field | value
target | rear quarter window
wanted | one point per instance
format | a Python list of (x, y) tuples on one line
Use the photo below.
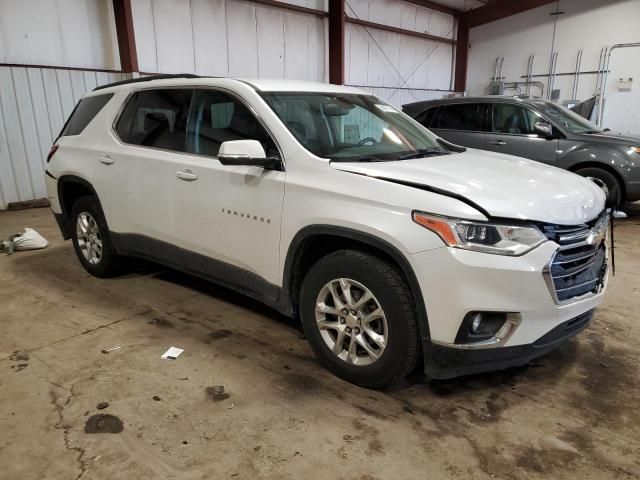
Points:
[(84, 112)]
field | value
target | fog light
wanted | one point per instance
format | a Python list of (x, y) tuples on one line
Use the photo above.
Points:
[(480, 326), (477, 322)]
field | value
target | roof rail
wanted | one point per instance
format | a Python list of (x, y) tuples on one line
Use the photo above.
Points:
[(148, 79)]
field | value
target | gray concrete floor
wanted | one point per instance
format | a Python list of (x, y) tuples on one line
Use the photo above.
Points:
[(572, 414)]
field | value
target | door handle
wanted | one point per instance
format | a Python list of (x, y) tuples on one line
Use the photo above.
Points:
[(186, 175), (105, 159), (497, 142)]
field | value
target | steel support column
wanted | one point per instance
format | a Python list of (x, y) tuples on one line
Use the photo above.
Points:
[(462, 53), (126, 35), (336, 42)]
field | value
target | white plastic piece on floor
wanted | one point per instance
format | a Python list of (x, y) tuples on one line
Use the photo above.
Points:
[(172, 353), (619, 214), (29, 240)]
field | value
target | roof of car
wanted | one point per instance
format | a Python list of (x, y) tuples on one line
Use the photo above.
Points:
[(264, 85), (418, 107)]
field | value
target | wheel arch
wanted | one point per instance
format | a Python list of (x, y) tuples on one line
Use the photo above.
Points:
[(70, 188), (315, 241), (602, 166)]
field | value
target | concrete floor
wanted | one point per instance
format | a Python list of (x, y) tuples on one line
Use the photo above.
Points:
[(572, 414)]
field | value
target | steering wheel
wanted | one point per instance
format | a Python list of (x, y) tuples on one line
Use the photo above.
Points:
[(368, 139)]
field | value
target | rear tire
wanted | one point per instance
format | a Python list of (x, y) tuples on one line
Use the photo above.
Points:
[(614, 189), (92, 240), (368, 336)]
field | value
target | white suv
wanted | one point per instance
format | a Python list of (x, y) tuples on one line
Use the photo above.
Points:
[(395, 248)]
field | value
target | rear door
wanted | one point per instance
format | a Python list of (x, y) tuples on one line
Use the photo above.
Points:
[(512, 132), (152, 131), (460, 123)]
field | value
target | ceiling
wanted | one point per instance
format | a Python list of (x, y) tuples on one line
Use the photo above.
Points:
[(462, 5)]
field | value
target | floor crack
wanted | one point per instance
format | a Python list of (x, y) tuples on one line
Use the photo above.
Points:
[(61, 425)]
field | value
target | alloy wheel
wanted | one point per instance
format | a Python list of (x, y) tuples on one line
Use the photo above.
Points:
[(89, 238), (351, 321)]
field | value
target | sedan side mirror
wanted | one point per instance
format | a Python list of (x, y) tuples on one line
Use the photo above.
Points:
[(246, 152), (543, 129)]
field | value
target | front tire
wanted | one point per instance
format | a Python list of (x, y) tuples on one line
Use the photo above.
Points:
[(91, 238), (357, 313), (613, 188)]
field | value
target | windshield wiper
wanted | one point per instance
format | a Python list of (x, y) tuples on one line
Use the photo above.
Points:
[(422, 152)]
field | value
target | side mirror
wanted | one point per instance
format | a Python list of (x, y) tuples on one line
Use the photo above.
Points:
[(246, 152), (543, 129)]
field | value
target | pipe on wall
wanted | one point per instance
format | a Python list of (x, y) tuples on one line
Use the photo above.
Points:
[(605, 75)]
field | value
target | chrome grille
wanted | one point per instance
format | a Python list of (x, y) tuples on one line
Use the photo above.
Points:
[(580, 263)]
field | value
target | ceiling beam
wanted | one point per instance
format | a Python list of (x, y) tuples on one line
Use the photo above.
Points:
[(435, 6), (499, 9)]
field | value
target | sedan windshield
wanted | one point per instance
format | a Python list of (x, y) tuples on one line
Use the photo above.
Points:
[(349, 127), (567, 119)]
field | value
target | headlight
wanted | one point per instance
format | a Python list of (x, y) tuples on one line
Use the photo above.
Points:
[(482, 237)]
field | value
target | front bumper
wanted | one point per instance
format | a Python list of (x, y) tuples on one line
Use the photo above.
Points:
[(455, 282), (442, 362)]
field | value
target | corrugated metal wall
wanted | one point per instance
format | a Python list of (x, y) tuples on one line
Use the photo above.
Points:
[(34, 104), (235, 38)]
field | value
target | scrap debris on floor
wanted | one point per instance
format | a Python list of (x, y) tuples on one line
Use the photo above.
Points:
[(571, 414)]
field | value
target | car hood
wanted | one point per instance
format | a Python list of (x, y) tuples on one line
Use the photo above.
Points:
[(502, 185)]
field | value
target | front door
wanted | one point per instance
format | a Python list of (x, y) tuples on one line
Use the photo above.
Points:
[(512, 132), (230, 214)]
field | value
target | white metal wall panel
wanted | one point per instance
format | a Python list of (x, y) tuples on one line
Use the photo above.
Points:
[(388, 59), (231, 38), (78, 33), (243, 41), (421, 63), (174, 36), (271, 42), (34, 103), (210, 37)]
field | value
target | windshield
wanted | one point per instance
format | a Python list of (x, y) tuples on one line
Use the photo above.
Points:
[(348, 127), (567, 119)]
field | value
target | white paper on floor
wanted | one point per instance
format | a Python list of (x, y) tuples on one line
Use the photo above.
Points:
[(172, 353)]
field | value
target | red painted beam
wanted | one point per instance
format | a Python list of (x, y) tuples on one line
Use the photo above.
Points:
[(126, 35), (499, 9), (435, 6), (462, 53), (336, 42), (291, 6), (403, 31)]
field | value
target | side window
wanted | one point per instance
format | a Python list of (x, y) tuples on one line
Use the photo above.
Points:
[(513, 119), (217, 117), (156, 118), (426, 117), (84, 112), (462, 116)]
